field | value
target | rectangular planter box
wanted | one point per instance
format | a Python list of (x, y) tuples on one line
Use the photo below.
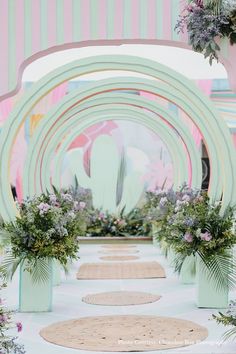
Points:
[(186, 274), (34, 297), (56, 273), (170, 257), (207, 294), (154, 235)]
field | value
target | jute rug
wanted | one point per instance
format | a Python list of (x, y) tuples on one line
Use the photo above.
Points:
[(124, 333), (120, 298), (122, 245), (135, 270), (119, 258), (118, 251)]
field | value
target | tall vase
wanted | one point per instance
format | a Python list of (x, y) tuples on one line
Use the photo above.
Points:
[(187, 273), (170, 257), (208, 296), (34, 296), (56, 273), (154, 235)]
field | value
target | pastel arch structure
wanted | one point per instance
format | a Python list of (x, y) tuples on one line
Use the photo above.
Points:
[(175, 88), (102, 109)]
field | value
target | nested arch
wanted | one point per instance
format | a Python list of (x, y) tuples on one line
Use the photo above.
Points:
[(183, 92), (156, 88), (103, 104), (168, 137)]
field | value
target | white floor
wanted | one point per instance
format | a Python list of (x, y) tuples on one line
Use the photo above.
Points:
[(177, 301)]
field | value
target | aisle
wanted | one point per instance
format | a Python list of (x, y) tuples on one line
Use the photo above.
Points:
[(176, 301)]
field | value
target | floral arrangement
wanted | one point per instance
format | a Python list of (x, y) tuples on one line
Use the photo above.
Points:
[(46, 228), (8, 344), (104, 224), (161, 204), (190, 224), (207, 20), (107, 224), (228, 319), (199, 227)]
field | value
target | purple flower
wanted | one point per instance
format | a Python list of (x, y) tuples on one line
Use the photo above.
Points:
[(101, 216), (188, 237), (52, 198), (189, 221), (19, 326), (206, 236), (43, 207), (3, 318), (186, 198)]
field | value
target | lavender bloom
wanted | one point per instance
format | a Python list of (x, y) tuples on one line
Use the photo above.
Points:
[(3, 318), (186, 198), (43, 208), (52, 198), (188, 237), (189, 221), (206, 236)]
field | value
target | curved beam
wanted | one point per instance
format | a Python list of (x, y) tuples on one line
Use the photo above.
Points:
[(168, 136), (199, 104), (128, 105), (89, 91)]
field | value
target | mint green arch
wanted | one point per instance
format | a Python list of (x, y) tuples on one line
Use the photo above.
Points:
[(134, 84), (220, 146), (96, 115), (195, 158), (175, 148), (99, 110)]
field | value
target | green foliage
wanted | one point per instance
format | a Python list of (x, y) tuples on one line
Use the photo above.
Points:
[(190, 225), (8, 343), (107, 224), (228, 319), (46, 228), (206, 21)]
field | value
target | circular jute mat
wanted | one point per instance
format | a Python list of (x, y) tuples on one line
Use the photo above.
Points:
[(119, 258), (118, 251), (121, 298), (124, 333)]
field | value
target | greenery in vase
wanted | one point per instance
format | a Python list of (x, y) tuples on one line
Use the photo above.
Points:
[(46, 228), (8, 343), (162, 203), (228, 319), (206, 21), (199, 228)]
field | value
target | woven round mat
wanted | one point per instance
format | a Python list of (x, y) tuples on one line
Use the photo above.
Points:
[(122, 245), (121, 270), (124, 333), (118, 251), (120, 298), (119, 258)]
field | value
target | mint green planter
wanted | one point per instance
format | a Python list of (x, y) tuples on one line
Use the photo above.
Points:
[(56, 273), (34, 297), (170, 257), (187, 273), (207, 294), (154, 235)]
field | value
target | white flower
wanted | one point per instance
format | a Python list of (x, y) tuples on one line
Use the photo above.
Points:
[(82, 205)]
